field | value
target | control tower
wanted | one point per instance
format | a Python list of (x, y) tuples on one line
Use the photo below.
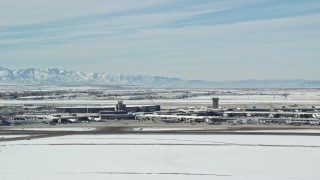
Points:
[(215, 103), (120, 106)]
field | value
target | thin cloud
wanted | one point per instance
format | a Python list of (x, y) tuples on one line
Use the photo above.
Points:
[(152, 34)]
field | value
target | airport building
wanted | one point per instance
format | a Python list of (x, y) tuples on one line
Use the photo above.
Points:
[(215, 103), (118, 107), (83, 109), (107, 115)]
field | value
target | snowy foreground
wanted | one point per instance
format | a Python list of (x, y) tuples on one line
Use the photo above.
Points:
[(82, 157)]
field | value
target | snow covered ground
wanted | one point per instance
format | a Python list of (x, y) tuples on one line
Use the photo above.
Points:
[(237, 97), (161, 157), (55, 129), (2, 136), (287, 131), (166, 129)]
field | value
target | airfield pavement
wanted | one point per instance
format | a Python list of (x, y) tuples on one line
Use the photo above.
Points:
[(28, 132)]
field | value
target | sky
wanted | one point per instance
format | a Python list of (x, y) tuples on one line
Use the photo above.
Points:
[(189, 39)]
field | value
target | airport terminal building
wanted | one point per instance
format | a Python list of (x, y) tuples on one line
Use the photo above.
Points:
[(118, 107)]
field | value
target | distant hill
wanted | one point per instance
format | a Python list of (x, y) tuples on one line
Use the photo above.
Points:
[(58, 76)]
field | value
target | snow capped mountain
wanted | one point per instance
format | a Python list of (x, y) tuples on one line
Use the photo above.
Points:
[(58, 76), (6, 74)]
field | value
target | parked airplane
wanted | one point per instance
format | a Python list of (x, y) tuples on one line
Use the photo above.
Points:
[(4, 122)]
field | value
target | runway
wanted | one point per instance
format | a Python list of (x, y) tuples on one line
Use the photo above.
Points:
[(125, 127)]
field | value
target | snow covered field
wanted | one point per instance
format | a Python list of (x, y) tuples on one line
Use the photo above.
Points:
[(2, 136), (237, 97), (55, 129), (161, 157), (310, 131)]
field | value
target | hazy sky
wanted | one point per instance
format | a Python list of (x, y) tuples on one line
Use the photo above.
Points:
[(190, 39)]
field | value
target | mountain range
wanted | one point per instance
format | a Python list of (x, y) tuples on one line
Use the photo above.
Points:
[(59, 76)]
